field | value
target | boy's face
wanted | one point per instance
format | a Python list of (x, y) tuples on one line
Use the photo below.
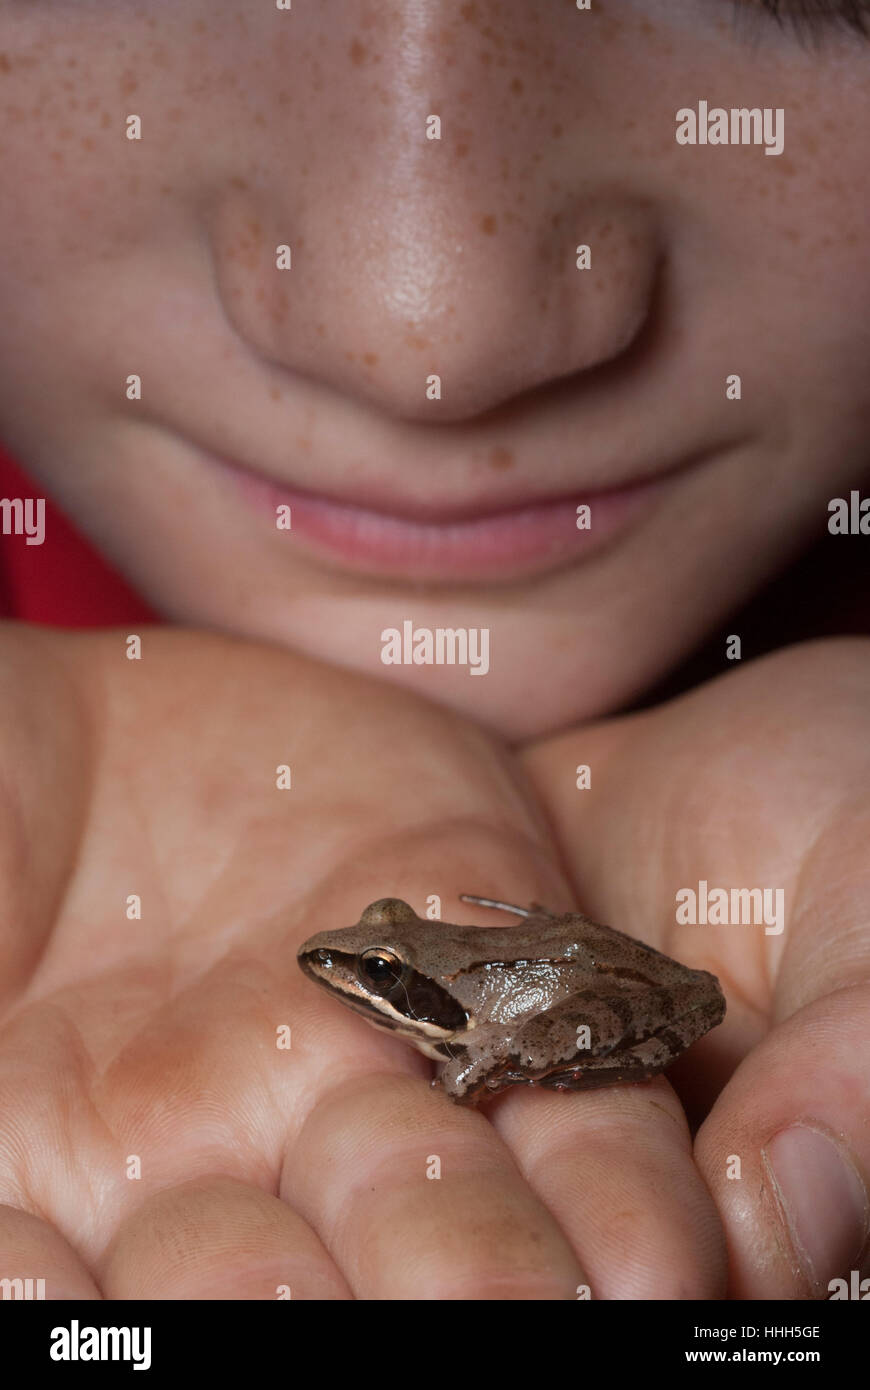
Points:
[(411, 258)]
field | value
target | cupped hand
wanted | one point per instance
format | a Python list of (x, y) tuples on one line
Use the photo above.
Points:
[(759, 780), (182, 1113)]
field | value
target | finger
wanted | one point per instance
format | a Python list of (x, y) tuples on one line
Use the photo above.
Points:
[(37, 1262), (636, 837), (786, 1148), (418, 1198), (217, 1238), (615, 1168), (786, 1153)]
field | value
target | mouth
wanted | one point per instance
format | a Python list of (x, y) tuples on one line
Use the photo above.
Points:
[(438, 543)]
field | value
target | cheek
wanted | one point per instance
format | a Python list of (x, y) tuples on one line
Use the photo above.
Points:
[(813, 277), (770, 252)]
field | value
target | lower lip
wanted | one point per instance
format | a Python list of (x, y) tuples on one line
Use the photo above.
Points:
[(499, 546)]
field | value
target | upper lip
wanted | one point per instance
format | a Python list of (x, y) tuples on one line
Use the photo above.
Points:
[(373, 495)]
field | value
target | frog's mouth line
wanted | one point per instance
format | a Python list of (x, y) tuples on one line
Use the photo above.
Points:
[(421, 1030), (413, 1003)]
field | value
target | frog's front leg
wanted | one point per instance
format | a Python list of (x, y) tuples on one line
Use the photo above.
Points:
[(473, 1062)]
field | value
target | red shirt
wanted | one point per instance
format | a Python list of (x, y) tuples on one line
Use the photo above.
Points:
[(63, 582)]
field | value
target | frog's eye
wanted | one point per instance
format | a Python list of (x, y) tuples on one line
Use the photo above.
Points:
[(380, 968)]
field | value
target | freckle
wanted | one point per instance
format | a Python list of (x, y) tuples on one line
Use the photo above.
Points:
[(785, 166), (303, 442), (128, 84), (238, 182), (358, 53), (485, 57), (412, 341), (500, 459), (488, 225), (517, 86), (321, 328), (461, 150), (87, 143), (351, 356), (557, 131), (274, 393), (5, 65), (259, 119), (371, 359), (469, 12), (175, 113)]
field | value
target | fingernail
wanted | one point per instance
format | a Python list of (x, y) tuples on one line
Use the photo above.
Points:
[(823, 1200)]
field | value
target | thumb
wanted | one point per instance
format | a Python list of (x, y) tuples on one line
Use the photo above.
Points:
[(786, 1154)]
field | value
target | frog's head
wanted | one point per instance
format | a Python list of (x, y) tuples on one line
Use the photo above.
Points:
[(378, 968)]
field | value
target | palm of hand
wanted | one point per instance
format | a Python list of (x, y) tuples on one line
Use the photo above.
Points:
[(158, 1140)]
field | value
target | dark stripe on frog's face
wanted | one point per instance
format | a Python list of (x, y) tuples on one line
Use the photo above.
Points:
[(408, 1001)]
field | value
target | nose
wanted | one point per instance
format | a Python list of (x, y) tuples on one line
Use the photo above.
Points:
[(437, 238)]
